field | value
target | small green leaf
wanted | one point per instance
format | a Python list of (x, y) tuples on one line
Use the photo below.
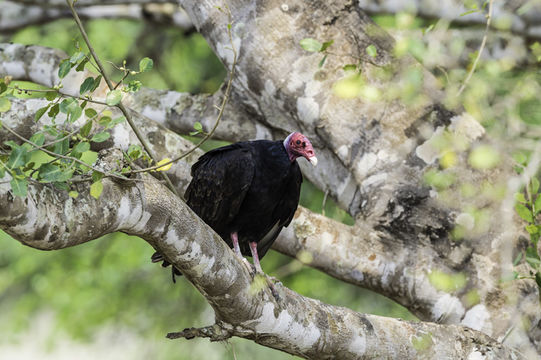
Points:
[(100, 137), (85, 130), (78, 56), (19, 187), (311, 45), (116, 121), (64, 68), (51, 95), (523, 212), (87, 85), (18, 157), (40, 112), (54, 110), (517, 259), (49, 172), (73, 194), (75, 113), (520, 197), (96, 176), (534, 186), (197, 126), (537, 204), (90, 113), (61, 147), (2, 172), (104, 121), (81, 65), (97, 81), (134, 85), (38, 139), (372, 51), (350, 67), (484, 157), (65, 105), (325, 45), (322, 62), (96, 189), (5, 104), (113, 97), (145, 64), (532, 229), (3, 87), (82, 147)]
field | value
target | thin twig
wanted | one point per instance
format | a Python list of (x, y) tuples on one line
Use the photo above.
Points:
[(29, 91), (221, 108), (119, 105), (481, 48)]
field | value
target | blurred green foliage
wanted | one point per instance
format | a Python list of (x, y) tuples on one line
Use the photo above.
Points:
[(110, 283)]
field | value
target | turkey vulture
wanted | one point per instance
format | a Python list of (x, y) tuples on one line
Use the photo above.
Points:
[(248, 191)]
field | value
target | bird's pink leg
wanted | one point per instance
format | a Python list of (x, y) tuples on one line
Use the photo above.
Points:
[(235, 240), (253, 248), (236, 248)]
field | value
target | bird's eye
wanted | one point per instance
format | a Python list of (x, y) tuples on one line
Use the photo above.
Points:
[(298, 142)]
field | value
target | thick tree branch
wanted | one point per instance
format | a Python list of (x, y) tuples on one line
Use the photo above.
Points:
[(15, 15), (47, 219)]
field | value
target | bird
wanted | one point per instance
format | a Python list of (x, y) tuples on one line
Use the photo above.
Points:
[(247, 192)]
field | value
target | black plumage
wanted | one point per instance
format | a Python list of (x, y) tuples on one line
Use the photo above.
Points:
[(248, 191), (251, 188)]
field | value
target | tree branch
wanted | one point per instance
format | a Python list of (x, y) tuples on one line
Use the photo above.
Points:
[(297, 325)]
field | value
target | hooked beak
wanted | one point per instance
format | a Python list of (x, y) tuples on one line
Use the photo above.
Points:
[(313, 160)]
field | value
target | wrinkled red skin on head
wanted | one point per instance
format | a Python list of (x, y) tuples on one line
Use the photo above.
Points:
[(299, 145)]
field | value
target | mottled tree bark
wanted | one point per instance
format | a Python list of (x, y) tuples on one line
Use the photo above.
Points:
[(373, 155)]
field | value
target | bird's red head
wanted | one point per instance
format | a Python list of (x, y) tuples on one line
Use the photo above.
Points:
[(297, 145)]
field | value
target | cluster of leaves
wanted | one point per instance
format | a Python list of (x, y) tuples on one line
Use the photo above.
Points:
[(528, 207), (57, 155)]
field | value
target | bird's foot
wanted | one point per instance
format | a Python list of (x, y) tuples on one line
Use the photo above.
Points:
[(260, 281), (250, 267)]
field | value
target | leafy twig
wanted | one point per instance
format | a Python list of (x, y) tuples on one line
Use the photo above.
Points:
[(220, 108), (111, 87)]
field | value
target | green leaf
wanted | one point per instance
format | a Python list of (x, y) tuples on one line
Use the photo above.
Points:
[(534, 186), (97, 81), (311, 45), (523, 212), (484, 157), (116, 121), (18, 157), (81, 147), (100, 137), (3, 87), (532, 229), (54, 110), (85, 130), (134, 85), (96, 176), (61, 147), (113, 97), (520, 197), (145, 64), (5, 104), (134, 152), (65, 105), (2, 172), (87, 85), (372, 51), (104, 121), (75, 113), (40, 112), (38, 139), (322, 62), (64, 68), (197, 126), (51, 95), (78, 56), (96, 189), (325, 45), (350, 67), (90, 113), (19, 187), (537, 204), (49, 172), (81, 65), (74, 194), (517, 259)]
